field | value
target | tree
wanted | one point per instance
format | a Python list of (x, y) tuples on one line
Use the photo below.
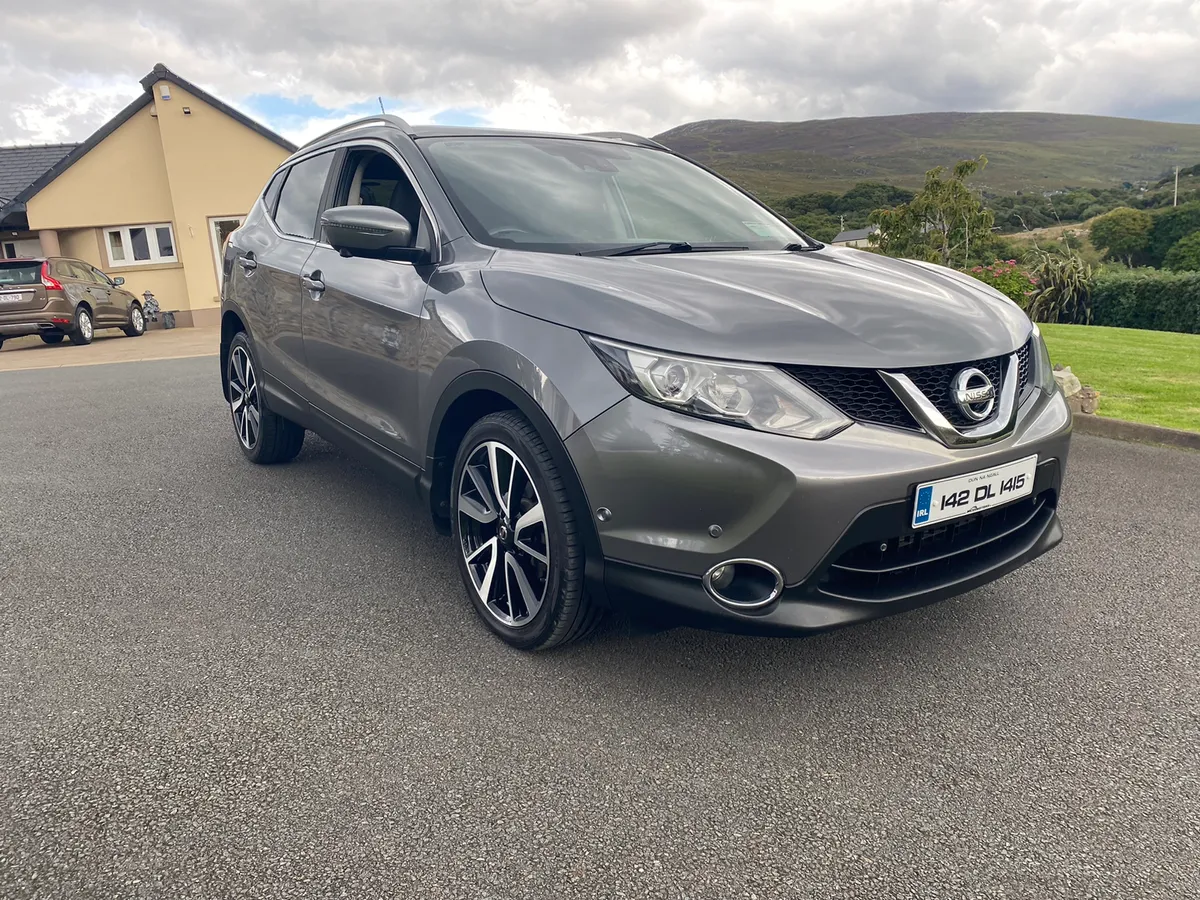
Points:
[(1171, 226), (1123, 233), (940, 222), (1184, 256)]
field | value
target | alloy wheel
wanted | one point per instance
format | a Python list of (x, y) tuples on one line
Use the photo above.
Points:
[(85, 325), (244, 398), (502, 526), (138, 320)]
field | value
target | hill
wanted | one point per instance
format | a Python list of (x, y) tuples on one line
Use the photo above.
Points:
[(1025, 151)]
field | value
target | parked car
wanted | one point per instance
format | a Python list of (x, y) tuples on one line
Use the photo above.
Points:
[(617, 379), (59, 297)]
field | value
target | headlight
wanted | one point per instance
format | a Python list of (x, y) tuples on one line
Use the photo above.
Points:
[(759, 397), (1043, 370)]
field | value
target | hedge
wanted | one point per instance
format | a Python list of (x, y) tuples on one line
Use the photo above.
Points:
[(1147, 298)]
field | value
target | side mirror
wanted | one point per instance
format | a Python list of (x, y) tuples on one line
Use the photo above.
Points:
[(374, 231), (118, 281)]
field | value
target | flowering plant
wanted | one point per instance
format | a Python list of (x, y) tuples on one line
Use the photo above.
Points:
[(1007, 276)]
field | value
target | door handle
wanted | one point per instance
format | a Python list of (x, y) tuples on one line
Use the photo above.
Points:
[(314, 283), (248, 262)]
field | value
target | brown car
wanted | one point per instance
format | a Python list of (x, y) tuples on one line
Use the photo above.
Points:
[(58, 297)]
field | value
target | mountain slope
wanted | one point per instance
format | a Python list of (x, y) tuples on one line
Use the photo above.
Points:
[(1025, 151)]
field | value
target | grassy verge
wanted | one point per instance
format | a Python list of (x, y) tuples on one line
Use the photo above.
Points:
[(1142, 376)]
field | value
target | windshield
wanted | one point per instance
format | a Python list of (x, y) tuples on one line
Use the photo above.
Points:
[(20, 272), (572, 196)]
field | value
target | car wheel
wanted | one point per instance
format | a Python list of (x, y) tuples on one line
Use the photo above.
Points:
[(84, 330), (137, 322), (519, 549), (53, 338), (264, 437)]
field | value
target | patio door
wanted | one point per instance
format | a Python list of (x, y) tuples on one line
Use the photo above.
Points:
[(219, 229)]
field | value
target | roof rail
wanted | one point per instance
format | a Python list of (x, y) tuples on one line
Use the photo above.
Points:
[(377, 119), (628, 137)]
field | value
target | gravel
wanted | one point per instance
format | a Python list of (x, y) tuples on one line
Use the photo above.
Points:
[(224, 680)]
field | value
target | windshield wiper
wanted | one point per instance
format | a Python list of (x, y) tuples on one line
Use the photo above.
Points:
[(660, 247), (802, 248)]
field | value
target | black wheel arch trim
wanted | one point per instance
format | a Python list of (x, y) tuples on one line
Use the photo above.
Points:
[(434, 480)]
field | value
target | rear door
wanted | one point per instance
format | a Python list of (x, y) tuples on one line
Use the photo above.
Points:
[(81, 287), (21, 287), (269, 253)]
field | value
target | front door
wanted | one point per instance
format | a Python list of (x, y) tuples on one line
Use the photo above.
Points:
[(362, 316)]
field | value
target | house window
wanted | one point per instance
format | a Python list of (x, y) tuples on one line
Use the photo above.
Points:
[(140, 245)]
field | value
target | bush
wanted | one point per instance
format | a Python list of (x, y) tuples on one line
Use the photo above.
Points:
[(1185, 255), (1170, 226), (1144, 298), (1008, 278), (1062, 287)]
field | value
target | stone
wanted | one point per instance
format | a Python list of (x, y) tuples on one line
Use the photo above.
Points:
[(1089, 400), (1068, 381)]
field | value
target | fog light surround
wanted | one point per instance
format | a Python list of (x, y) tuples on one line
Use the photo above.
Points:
[(744, 584)]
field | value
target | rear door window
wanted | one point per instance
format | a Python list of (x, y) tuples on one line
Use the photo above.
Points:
[(301, 196), (20, 273)]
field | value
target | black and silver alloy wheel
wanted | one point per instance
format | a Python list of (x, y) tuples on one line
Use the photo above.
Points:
[(244, 399), (502, 531)]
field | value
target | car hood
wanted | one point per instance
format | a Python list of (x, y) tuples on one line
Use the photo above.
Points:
[(836, 306)]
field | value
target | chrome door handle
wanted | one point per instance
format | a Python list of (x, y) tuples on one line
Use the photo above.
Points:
[(314, 283), (248, 263)]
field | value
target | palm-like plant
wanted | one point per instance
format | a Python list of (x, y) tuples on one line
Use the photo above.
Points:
[(1063, 287)]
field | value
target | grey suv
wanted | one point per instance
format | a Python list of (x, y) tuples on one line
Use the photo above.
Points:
[(616, 379)]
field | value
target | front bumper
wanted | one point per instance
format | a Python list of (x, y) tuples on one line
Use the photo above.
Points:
[(812, 509)]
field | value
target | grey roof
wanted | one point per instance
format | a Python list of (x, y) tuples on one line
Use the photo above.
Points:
[(21, 166), (857, 234)]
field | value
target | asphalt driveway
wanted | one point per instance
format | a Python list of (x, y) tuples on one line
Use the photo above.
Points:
[(225, 681)]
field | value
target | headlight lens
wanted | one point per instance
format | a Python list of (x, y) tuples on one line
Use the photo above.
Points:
[(1043, 370), (759, 397)]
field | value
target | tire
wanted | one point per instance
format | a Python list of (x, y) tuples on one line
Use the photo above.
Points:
[(521, 559), (84, 328), (137, 321), (53, 338), (273, 439)]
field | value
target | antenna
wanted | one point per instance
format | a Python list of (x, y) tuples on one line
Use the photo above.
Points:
[(381, 109)]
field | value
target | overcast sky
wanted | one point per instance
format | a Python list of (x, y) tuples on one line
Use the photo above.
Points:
[(639, 65)]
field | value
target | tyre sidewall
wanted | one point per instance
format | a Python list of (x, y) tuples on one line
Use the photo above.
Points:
[(534, 633), (78, 337), (241, 340)]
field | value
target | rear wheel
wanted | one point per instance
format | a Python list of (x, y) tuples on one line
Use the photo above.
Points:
[(519, 549), (264, 437), (137, 322), (84, 330), (53, 338)]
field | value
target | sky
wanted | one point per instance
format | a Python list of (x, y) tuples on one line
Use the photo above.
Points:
[(303, 66)]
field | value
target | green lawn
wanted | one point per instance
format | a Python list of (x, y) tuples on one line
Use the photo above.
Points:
[(1142, 376)]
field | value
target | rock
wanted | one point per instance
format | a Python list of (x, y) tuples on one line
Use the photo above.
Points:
[(1089, 400), (1068, 381)]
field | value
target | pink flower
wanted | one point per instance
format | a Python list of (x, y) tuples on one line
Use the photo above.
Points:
[(1012, 262)]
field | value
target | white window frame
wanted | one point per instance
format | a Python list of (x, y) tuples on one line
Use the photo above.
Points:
[(127, 242), (217, 248)]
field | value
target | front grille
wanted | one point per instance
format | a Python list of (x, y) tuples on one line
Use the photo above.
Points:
[(863, 396), (924, 560)]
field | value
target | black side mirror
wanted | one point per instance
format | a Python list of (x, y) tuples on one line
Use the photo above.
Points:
[(374, 231), (118, 281)]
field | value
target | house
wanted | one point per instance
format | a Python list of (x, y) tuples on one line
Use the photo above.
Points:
[(151, 196), (858, 237)]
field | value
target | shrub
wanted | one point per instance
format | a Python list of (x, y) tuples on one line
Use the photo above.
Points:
[(1008, 278), (1144, 298), (1123, 234), (1062, 288), (1170, 226), (1185, 255)]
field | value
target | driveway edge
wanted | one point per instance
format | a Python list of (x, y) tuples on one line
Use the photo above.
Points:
[(1136, 431)]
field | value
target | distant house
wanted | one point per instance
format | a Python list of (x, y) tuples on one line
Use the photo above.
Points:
[(856, 238), (151, 196)]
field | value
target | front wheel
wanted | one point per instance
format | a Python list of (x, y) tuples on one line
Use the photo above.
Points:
[(83, 330), (264, 437), (137, 322), (519, 550)]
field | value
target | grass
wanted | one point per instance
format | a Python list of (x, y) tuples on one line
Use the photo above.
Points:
[(1142, 376)]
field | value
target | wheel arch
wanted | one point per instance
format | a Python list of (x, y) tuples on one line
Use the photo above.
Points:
[(466, 400), (231, 325)]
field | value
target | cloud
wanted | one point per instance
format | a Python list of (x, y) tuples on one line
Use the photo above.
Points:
[(639, 65)]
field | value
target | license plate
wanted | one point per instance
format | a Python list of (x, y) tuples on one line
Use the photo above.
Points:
[(962, 495), (13, 296)]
